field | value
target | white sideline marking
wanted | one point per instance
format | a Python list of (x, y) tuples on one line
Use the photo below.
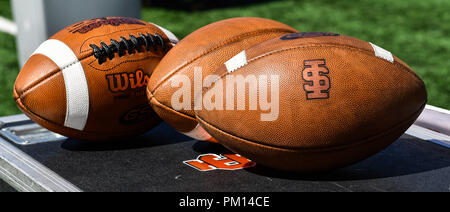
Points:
[(8, 26)]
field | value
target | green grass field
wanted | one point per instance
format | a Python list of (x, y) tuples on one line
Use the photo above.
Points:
[(416, 31), (8, 66)]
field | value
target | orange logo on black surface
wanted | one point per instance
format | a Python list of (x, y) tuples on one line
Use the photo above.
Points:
[(121, 82), (315, 74), (208, 162)]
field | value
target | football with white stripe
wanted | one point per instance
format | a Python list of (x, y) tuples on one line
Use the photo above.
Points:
[(204, 50), (88, 80), (328, 101)]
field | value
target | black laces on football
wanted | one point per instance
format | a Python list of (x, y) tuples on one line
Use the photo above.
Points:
[(131, 45)]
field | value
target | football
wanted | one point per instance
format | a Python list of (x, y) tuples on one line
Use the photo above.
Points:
[(311, 101), (198, 55), (88, 80)]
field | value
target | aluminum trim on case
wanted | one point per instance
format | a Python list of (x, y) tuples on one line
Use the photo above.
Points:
[(26, 174), (23, 172)]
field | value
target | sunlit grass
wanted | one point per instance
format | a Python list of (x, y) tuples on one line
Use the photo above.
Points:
[(416, 31)]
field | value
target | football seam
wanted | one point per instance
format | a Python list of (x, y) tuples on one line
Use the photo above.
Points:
[(332, 148), (85, 133), (86, 40), (161, 105), (220, 45), (51, 74), (328, 45)]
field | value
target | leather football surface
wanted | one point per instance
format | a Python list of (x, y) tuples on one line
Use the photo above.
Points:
[(205, 50), (340, 100), (88, 80)]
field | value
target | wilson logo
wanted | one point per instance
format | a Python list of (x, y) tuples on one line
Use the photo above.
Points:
[(208, 162), (317, 82), (121, 82)]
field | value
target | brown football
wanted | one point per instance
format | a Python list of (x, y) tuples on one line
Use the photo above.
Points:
[(206, 49), (334, 100), (88, 80)]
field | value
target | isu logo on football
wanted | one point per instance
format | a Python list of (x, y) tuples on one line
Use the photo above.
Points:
[(317, 82), (208, 162), (121, 82)]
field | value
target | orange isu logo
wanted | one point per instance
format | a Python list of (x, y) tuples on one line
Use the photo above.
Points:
[(208, 162), (121, 82), (317, 84)]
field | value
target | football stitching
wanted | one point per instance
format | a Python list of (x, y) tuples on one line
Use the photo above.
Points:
[(171, 109), (328, 45), (118, 31), (161, 105), (333, 148), (82, 51), (51, 74), (127, 61), (220, 45)]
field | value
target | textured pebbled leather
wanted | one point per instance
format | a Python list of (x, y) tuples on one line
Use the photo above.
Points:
[(41, 94), (208, 47), (371, 103)]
